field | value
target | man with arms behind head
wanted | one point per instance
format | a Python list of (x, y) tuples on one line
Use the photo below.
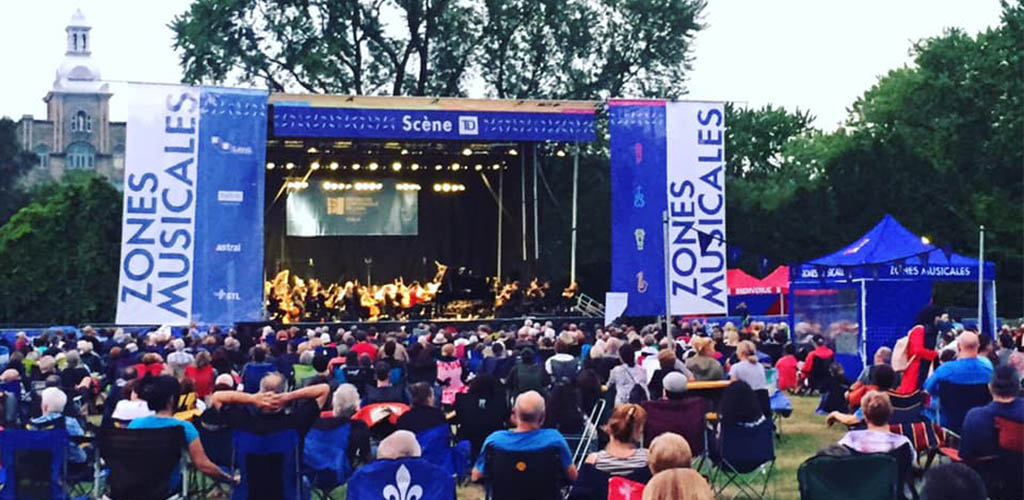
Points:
[(527, 436), (272, 409)]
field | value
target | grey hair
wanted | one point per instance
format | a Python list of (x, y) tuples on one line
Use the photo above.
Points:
[(72, 358), (400, 444), (345, 401), (306, 358), (53, 400), (885, 353), (273, 382)]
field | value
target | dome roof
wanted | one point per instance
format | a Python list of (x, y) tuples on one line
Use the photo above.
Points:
[(78, 68)]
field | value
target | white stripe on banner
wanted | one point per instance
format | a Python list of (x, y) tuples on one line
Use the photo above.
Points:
[(696, 204), (158, 223)]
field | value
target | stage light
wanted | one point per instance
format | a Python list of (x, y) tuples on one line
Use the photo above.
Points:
[(315, 165), (334, 165), (355, 166), (407, 186), (495, 167), (926, 240), (446, 187), (414, 167), (560, 153), (396, 166), (296, 185), (438, 167), (478, 167), (455, 166), (513, 152), (467, 152), (312, 150), (289, 166), (327, 186), (405, 151), (372, 166), (437, 187), (270, 165)]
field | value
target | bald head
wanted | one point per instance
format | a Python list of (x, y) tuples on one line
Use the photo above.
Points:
[(530, 409), (969, 344)]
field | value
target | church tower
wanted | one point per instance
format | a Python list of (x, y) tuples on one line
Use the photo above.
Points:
[(77, 133)]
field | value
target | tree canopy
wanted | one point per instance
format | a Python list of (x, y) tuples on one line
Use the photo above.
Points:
[(14, 164)]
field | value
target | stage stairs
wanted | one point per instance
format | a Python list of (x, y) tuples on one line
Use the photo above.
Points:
[(588, 306)]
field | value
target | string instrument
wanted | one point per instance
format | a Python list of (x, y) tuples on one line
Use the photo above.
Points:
[(366, 300), (505, 295)]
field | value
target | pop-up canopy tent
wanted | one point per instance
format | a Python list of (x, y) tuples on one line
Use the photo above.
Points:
[(866, 295), (761, 296)]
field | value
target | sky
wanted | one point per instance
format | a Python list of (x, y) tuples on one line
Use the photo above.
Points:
[(816, 55)]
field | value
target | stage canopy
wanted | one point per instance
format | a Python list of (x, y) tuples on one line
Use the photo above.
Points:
[(866, 295), (760, 296)]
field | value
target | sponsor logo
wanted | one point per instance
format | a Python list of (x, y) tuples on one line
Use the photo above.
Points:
[(639, 236), (641, 283), (230, 296), (230, 196), (468, 125), (227, 147), (229, 247)]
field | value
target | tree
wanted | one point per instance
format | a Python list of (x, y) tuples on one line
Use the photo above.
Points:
[(59, 255), (14, 164)]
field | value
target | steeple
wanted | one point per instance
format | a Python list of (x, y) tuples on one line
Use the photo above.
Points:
[(78, 72), (78, 35)]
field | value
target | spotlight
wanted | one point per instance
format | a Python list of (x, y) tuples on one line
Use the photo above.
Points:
[(438, 167), (355, 166), (513, 152), (315, 165), (437, 188), (405, 151), (289, 166), (455, 166), (414, 167), (396, 166), (312, 150), (478, 167), (446, 187), (560, 153), (372, 166), (270, 165), (328, 186), (467, 152), (926, 240), (334, 165), (495, 167)]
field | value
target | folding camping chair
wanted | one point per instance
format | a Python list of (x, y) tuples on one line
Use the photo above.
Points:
[(402, 478), (955, 400), (686, 417), (216, 443), (269, 465), (584, 443), (35, 464), (141, 461), (438, 449), (742, 450), (325, 461), (828, 477), (253, 373), (515, 475)]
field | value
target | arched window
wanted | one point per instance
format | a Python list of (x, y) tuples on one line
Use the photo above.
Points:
[(81, 155), (81, 122), (42, 152)]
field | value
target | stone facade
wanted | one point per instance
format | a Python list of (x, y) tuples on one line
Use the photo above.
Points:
[(77, 133)]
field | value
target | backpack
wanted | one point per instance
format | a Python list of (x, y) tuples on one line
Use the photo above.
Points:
[(638, 394), (900, 361)]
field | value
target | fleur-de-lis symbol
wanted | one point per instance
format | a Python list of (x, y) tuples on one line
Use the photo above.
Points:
[(401, 489)]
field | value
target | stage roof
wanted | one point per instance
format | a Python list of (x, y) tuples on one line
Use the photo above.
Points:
[(431, 118)]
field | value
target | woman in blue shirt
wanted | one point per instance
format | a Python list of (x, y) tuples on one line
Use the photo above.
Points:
[(161, 394)]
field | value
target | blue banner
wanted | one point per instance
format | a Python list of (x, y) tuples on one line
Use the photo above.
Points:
[(367, 123), (228, 274), (638, 163)]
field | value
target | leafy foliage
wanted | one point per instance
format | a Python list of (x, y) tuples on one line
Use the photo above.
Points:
[(59, 254), (14, 164)]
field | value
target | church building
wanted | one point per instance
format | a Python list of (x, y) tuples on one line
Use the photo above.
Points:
[(77, 133)]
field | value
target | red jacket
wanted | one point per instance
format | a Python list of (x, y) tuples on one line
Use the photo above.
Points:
[(367, 349), (820, 352), (202, 378), (786, 367)]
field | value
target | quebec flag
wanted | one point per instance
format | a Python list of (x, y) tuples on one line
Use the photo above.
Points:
[(192, 223)]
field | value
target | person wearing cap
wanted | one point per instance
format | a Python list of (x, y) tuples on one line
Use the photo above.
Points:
[(821, 351), (979, 437)]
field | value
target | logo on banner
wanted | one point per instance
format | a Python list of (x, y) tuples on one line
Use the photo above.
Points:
[(222, 295), (639, 236), (468, 125), (641, 283), (638, 197), (230, 196), (230, 148), (229, 247)]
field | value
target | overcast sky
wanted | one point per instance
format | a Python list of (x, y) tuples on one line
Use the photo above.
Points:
[(812, 54)]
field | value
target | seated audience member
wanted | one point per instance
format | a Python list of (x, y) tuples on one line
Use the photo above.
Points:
[(90, 360), (400, 444), (876, 438), (666, 365), (481, 411), (704, 365), (821, 351), (383, 391), (151, 364), (954, 481), (668, 451), (834, 389), (740, 405), (883, 357), (967, 369), (201, 374), (74, 377), (451, 374), (161, 394), (786, 367), (882, 379), (53, 402), (627, 375), (422, 414), (131, 406), (271, 409), (747, 368), (678, 484), (623, 454), (528, 375), (323, 375), (563, 367), (979, 437), (344, 404), (563, 410), (527, 436)]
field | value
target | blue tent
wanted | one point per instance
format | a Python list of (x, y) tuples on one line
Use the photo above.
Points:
[(866, 295)]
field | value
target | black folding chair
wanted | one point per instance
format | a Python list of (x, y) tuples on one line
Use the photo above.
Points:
[(515, 475), (741, 450), (141, 462)]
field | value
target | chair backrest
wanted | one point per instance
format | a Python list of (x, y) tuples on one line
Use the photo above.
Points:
[(302, 372), (906, 408), (325, 458), (403, 478), (141, 461), (438, 450), (1010, 434), (269, 465), (35, 464), (747, 447), (684, 417), (820, 371), (536, 475), (216, 443), (252, 375), (826, 477), (955, 400)]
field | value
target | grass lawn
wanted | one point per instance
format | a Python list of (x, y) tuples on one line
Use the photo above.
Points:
[(803, 434)]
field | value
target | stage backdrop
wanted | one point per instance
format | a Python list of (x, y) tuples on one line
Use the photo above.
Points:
[(192, 229), (319, 211), (668, 156)]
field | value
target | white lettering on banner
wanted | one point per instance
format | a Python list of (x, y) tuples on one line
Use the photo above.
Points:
[(695, 136), (230, 196), (222, 295), (158, 226), (468, 125), (229, 247), (425, 124)]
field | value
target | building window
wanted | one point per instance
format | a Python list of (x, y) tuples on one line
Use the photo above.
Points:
[(42, 152), (81, 122), (81, 155), (118, 159)]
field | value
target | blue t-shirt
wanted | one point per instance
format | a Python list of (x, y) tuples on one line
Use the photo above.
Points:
[(158, 422), (979, 437), (969, 371), (525, 441)]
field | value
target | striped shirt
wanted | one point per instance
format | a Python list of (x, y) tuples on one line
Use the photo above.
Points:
[(615, 466)]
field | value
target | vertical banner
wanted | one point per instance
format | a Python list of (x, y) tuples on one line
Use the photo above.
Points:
[(668, 156), (192, 225), (638, 200), (696, 207)]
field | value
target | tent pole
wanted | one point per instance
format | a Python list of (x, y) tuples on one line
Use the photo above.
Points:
[(522, 197), (575, 189), (864, 321), (668, 277), (536, 226), (981, 276), (501, 207)]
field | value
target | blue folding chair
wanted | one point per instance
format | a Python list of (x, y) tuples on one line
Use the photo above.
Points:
[(253, 373), (438, 450), (955, 400), (742, 450), (399, 479), (35, 464), (325, 461), (269, 465)]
